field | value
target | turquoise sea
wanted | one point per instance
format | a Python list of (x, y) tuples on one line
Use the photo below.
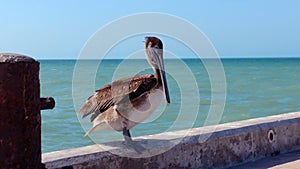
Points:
[(254, 88)]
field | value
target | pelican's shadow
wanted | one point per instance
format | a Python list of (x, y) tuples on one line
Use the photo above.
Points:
[(152, 147)]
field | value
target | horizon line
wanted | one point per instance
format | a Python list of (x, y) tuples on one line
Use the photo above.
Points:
[(184, 58)]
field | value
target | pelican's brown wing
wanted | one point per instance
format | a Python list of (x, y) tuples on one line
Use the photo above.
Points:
[(118, 91)]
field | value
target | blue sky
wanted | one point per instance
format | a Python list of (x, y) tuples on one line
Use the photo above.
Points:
[(59, 29)]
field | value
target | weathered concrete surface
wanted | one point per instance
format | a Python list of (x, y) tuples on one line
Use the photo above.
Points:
[(20, 121), (283, 161), (219, 146)]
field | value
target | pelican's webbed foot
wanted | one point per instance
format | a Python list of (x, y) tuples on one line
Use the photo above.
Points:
[(132, 144)]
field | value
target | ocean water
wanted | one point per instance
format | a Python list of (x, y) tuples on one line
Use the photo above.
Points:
[(254, 88)]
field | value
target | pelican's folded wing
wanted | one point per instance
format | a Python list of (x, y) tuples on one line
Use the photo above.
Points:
[(117, 91)]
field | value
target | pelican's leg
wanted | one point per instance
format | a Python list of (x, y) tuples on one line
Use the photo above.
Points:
[(127, 135), (130, 143)]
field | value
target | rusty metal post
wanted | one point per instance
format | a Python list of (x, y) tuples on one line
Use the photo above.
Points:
[(20, 118)]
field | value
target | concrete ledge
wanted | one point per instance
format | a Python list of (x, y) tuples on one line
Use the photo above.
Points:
[(218, 146)]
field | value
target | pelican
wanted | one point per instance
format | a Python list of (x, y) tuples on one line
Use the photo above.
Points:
[(127, 102)]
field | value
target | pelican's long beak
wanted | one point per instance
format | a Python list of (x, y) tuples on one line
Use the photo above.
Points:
[(164, 83), (155, 58)]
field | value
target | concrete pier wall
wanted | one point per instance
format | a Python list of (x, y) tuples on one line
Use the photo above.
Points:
[(218, 146)]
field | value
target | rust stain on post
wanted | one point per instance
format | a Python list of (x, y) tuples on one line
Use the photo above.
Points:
[(20, 119)]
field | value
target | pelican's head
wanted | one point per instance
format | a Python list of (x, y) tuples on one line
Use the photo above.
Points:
[(154, 53)]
